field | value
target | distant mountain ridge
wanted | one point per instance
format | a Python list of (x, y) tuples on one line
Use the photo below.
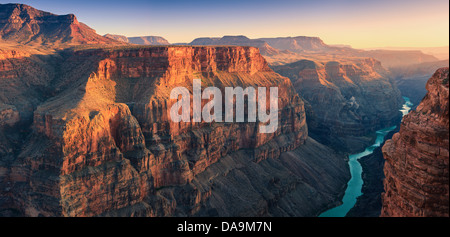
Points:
[(23, 24), (297, 44), (239, 40), (389, 58), (399, 58), (441, 53), (282, 50), (269, 45)]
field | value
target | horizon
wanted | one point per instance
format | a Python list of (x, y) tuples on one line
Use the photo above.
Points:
[(359, 24)]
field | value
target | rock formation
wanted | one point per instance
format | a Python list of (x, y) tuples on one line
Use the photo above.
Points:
[(23, 24), (148, 40), (398, 58), (314, 46), (345, 100), (121, 38), (283, 50), (102, 142), (141, 40), (417, 157), (24, 78), (240, 40)]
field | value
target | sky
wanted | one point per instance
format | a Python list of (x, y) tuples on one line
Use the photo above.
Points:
[(361, 24)]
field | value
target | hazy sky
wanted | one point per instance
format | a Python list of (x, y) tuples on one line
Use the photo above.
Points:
[(362, 24)]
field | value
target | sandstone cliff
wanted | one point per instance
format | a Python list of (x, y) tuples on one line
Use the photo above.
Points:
[(344, 99), (102, 142), (417, 158), (313, 48), (398, 58), (85, 131)]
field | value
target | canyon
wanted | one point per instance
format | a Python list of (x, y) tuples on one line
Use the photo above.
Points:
[(85, 131), (345, 100), (20, 23), (96, 149), (348, 96), (417, 157), (283, 50), (85, 126)]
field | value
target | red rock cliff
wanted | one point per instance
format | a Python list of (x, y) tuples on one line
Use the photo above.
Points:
[(417, 157), (105, 142)]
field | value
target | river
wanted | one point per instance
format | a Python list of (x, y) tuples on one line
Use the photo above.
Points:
[(355, 184)]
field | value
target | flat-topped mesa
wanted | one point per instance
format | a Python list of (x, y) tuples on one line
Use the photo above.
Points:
[(417, 157), (297, 44), (141, 40), (110, 126), (239, 40)]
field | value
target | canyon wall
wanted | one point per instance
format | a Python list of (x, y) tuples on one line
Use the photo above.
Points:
[(417, 157), (102, 142), (23, 78), (411, 80), (141, 40), (345, 100)]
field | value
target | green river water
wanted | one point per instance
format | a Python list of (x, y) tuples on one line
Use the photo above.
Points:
[(355, 184)]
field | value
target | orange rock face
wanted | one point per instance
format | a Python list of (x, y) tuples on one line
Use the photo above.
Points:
[(26, 25), (105, 142), (417, 158)]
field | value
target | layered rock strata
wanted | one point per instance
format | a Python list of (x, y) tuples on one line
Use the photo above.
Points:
[(345, 101), (104, 143), (417, 157)]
